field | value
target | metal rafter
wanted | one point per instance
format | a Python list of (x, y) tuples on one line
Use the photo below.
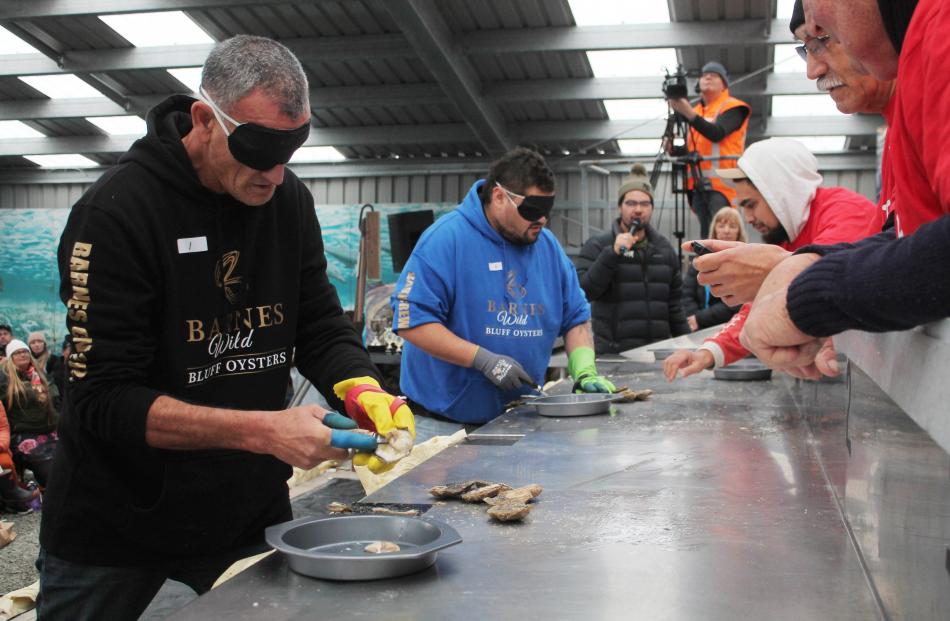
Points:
[(428, 34), (625, 37), (33, 9), (543, 132)]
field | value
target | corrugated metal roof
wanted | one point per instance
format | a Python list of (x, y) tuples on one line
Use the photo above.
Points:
[(360, 43)]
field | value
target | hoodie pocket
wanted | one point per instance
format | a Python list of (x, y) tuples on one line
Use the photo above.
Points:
[(211, 501)]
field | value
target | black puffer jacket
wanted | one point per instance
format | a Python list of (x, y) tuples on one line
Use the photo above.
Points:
[(636, 300), (695, 303)]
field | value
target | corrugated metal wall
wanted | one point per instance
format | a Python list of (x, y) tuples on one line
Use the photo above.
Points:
[(438, 188)]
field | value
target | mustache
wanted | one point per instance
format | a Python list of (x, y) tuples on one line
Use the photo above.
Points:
[(827, 82)]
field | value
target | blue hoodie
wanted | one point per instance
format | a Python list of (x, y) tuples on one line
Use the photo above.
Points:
[(512, 300)]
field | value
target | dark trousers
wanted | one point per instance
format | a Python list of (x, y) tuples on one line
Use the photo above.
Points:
[(705, 204), (79, 592)]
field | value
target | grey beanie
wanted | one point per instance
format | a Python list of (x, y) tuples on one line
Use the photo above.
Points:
[(638, 180), (714, 67)]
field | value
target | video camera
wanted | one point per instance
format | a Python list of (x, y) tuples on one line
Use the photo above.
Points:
[(674, 85)]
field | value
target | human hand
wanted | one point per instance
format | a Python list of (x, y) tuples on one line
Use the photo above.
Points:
[(375, 409), (502, 371), (693, 324), (735, 270), (682, 106), (581, 366), (826, 363), (624, 242), (686, 362), (346, 436), (769, 332), (300, 438)]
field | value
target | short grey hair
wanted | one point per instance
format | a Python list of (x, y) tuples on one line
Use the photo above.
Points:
[(241, 64)]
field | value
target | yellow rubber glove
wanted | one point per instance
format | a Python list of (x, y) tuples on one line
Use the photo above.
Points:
[(375, 409)]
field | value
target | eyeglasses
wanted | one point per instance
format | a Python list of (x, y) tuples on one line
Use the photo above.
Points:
[(533, 207), (643, 204), (815, 45)]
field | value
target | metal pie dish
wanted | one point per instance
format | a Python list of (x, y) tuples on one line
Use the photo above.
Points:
[(582, 404), (662, 354), (332, 548), (744, 370)]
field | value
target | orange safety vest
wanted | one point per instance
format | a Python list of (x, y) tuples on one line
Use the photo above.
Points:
[(732, 144)]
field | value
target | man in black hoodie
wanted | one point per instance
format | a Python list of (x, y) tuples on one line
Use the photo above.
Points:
[(194, 276)]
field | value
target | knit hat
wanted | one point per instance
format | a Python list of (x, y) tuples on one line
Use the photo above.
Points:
[(798, 16), (638, 180), (16, 345), (36, 336), (714, 67)]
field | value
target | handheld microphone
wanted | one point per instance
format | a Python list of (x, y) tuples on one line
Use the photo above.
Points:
[(635, 226)]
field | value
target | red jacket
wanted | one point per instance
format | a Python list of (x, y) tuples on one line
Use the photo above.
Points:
[(919, 134), (835, 215)]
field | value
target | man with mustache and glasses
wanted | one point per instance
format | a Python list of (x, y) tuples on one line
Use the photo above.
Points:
[(852, 91), (882, 283), (194, 277), (631, 274), (482, 298)]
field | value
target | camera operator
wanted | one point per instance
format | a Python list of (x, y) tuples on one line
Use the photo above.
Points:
[(717, 128)]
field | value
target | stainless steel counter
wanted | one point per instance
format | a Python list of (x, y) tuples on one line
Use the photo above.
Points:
[(713, 500)]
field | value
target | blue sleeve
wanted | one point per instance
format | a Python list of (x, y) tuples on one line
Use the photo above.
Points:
[(422, 295), (576, 307)]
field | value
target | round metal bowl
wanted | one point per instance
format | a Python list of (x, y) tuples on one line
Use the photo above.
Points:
[(743, 370), (583, 404), (332, 548)]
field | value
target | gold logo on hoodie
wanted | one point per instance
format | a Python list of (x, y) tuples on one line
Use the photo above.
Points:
[(224, 275)]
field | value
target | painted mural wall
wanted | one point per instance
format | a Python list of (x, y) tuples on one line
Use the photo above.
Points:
[(29, 278)]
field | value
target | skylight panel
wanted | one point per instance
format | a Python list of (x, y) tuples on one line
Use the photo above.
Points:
[(783, 10), (12, 44), (18, 129), (786, 60), (189, 76), (619, 109), (640, 146), (306, 155), (822, 144), (152, 29), (119, 125), (64, 86), (612, 12), (631, 63), (63, 160), (804, 105)]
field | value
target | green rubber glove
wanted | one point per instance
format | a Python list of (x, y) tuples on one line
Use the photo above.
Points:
[(581, 366)]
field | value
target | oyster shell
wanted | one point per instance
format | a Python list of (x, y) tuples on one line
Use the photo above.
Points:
[(381, 547), (509, 511), (454, 490), (480, 493), (519, 494)]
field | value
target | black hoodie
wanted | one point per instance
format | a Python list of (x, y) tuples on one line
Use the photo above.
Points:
[(173, 289)]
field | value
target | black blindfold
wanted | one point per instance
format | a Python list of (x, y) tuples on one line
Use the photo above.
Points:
[(533, 207), (256, 146)]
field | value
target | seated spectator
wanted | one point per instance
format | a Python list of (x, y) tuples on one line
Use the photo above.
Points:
[(13, 498), (6, 335), (45, 359), (28, 399), (703, 309)]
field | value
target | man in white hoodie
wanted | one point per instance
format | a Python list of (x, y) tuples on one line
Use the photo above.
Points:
[(777, 188)]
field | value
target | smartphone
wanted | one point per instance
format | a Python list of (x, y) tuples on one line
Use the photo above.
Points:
[(700, 249)]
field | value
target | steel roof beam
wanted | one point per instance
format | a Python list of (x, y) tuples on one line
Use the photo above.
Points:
[(307, 49), (33, 9), (544, 132), (746, 32), (427, 32)]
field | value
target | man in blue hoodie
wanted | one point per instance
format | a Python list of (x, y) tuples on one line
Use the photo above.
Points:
[(484, 295)]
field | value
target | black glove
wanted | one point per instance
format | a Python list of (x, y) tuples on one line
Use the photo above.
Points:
[(502, 371)]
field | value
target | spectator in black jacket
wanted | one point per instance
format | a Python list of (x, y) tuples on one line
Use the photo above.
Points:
[(631, 275), (702, 308)]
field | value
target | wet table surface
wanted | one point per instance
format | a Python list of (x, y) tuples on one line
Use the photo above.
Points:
[(709, 501)]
